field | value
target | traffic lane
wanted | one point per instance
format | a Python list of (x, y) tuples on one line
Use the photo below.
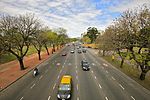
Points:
[(17, 87), (88, 87), (110, 88), (46, 84), (41, 89), (67, 67), (133, 88)]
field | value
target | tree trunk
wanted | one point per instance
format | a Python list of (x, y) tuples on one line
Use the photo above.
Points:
[(142, 76), (122, 61), (20, 59), (53, 48), (103, 52), (47, 50), (145, 69), (39, 54)]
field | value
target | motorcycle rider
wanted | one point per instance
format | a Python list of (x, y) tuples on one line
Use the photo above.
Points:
[(35, 71)]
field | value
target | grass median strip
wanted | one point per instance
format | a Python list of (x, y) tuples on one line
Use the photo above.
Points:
[(134, 73)]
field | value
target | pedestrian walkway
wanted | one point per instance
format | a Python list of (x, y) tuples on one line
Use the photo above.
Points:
[(10, 72)]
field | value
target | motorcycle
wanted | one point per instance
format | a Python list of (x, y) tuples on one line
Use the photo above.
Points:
[(35, 73)]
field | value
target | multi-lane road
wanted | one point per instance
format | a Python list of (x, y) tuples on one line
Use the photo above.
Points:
[(102, 82)]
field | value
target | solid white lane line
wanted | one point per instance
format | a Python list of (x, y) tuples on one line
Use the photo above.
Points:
[(106, 98), (132, 97), (113, 78), (95, 77), (54, 86), (92, 71), (78, 98), (32, 86), (121, 86), (21, 98), (100, 86), (49, 97), (41, 77)]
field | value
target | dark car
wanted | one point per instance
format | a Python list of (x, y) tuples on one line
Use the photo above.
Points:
[(85, 65), (64, 54), (65, 88), (79, 51), (84, 50)]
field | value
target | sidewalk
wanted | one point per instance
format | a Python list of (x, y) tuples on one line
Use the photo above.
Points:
[(10, 72)]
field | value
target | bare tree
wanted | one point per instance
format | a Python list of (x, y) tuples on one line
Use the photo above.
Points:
[(15, 33)]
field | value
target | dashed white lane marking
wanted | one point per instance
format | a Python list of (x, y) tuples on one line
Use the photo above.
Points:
[(121, 86), (106, 71), (76, 72), (58, 77), (113, 78), (46, 71), (54, 86), (32, 86), (77, 87), (58, 64), (41, 77), (60, 71), (132, 97), (92, 71), (77, 77), (100, 86), (93, 64), (21, 98), (78, 98), (49, 97), (95, 77), (105, 64), (106, 98)]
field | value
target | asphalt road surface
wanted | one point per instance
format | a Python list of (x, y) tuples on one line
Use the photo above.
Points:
[(101, 82)]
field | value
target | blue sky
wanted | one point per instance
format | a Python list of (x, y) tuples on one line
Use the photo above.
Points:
[(74, 15)]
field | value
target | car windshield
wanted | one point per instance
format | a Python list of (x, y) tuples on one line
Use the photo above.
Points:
[(85, 62), (63, 87)]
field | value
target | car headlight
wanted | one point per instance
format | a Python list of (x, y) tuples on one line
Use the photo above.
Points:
[(58, 95), (68, 96)]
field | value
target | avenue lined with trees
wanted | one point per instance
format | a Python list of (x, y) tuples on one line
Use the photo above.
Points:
[(19, 33)]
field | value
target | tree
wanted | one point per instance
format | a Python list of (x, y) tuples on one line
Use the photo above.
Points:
[(37, 41), (92, 33), (105, 40), (134, 26), (86, 39), (15, 32)]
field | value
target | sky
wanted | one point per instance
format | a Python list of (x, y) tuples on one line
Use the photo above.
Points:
[(73, 15)]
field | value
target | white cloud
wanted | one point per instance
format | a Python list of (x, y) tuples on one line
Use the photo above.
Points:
[(128, 4), (74, 15)]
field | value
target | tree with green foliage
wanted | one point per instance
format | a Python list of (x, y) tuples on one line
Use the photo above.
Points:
[(92, 33), (15, 32), (86, 39)]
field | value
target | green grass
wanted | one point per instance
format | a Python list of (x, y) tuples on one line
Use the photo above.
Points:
[(10, 57), (6, 58), (134, 73)]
